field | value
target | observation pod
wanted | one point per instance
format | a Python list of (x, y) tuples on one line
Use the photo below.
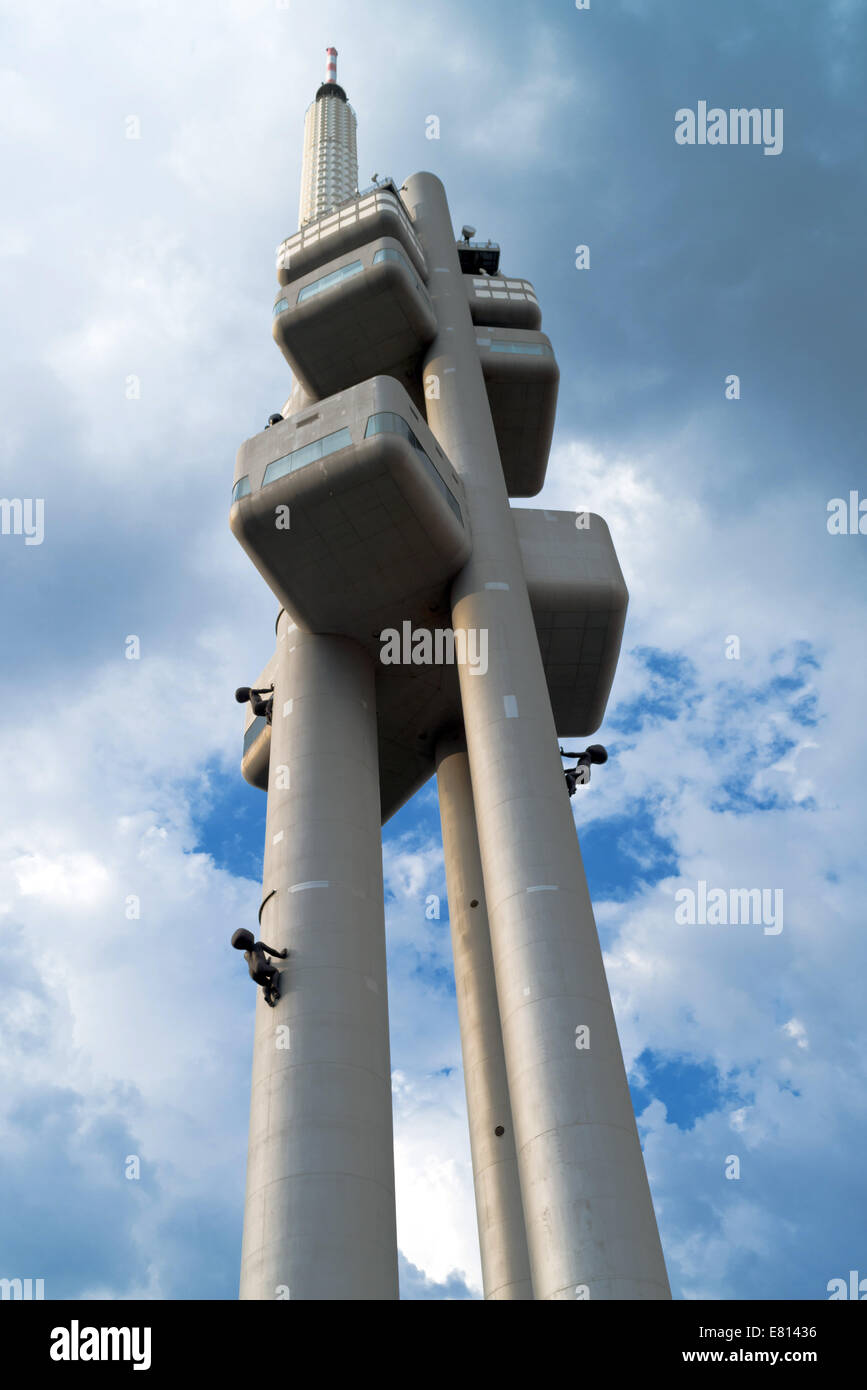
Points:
[(579, 597), (352, 513), (364, 313), (501, 303), (373, 214), (522, 379)]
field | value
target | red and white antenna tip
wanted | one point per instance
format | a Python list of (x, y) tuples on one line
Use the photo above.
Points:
[(331, 66)]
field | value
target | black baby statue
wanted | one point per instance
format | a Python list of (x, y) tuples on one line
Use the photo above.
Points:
[(261, 969), (579, 775)]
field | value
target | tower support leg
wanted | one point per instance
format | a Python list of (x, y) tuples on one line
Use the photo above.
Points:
[(591, 1229), (319, 1220), (502, 1238)]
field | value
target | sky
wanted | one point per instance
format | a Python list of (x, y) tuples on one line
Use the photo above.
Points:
[(150, 157)]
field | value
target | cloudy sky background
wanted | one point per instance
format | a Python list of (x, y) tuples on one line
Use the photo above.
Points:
[(153, 258)]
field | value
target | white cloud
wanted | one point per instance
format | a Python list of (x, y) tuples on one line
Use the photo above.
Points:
[(436, 1208)]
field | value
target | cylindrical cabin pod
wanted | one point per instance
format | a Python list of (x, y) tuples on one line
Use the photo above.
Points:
[(591, 1229), (366, 312), (500, 1215), (579, 600), (522, 379), (500, 303), (351, 512), (319, 1220), (374, 214)]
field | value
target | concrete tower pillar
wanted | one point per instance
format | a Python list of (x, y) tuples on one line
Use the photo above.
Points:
[(502, 1238), (591, 1229), (319, 1220)]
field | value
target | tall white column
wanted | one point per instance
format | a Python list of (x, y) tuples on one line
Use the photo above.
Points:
[(591, 1229), (502, 1238), (319, 1220)]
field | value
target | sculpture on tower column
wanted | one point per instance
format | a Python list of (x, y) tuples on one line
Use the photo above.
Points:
[(580, 773), (258, 705), (261, 969)]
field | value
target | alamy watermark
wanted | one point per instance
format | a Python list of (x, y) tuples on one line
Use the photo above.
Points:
[(23, 516), (847, 518), (22, 1289), (77, 1343), (737, 126), (709, 907), (854, 1288), (441, 646)]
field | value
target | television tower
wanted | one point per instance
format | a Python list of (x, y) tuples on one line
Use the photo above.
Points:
[(376, 506)]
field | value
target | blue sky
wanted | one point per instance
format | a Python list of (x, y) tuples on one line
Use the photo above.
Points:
[(152, 259)]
